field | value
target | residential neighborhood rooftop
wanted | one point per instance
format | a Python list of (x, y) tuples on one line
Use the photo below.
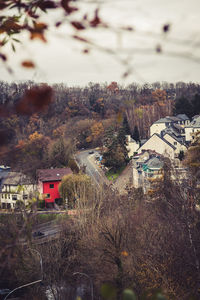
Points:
[(14, 178), (53, 174), (195, 123)]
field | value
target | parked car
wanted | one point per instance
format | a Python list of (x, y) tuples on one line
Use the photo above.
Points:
[(91, 152)]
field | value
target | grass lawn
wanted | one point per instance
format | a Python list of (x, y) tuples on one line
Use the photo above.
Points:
[(112, 175)]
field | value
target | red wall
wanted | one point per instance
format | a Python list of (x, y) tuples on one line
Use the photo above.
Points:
[(53, 192)]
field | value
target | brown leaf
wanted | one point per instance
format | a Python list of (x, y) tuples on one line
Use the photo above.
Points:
[(58, 24), (3, 57), (96, 21), (80, 39), (40, 27), (66, 5), (78, 25), (86, 51), (36, 99), (38, 35), (43, 5), (166, 28), (28, 64)]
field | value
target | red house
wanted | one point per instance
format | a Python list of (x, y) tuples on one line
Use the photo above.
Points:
[(48, 181)]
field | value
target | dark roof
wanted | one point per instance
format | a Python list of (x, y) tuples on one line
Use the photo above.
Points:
[(195, 123), (183, 117), (14, 178), (174, 119), (52, 174), (179, 139), (164, 120), (164, 140), (154, 163)]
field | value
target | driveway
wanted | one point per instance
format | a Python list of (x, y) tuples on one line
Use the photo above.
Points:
[(92, 168)]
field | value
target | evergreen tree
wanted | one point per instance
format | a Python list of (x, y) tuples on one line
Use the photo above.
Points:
[(116, 154), (196, 104), (136, 135), (126, 125), (183, 106)]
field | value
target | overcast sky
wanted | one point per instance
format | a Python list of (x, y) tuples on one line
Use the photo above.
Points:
[(62, 60)]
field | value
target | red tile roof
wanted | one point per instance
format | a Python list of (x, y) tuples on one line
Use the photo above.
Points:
[(52, 174)]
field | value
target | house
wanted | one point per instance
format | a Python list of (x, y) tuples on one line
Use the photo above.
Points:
[(182, 120), (132, 146), (177, 142), (4, 168), (160, 145), (48, 182), (15, 186), (192, 128), (147, 167), (160, 125)]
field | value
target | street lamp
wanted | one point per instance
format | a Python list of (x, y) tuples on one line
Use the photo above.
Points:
[(91, 283), (33, 282)]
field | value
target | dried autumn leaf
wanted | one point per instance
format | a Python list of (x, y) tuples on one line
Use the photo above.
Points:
[(96, 21), (38, 35), (166, 28), (86, 51), (80, 39), (3, 57), (36, 99), (43, 5), (66, 5), (40, 26), (78, 25), (28, 64)]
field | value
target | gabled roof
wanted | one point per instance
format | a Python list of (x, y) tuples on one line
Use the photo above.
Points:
[(163, 139), (174, 119), (154, 163), (52, 174), (14, 178), (163, 120), (195, 123), (176, 138), (183, 117)]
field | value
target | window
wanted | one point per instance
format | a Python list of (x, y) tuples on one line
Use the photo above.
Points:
[(2, 196), (25, 197), (175, 143), (51, 186), (5, 196), (14, 197), (47, 196)]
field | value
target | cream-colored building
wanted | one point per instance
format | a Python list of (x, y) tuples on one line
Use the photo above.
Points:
[(132, 146), (15, 186), (181, 120), (192, 128), (160, 145), (176, 143)]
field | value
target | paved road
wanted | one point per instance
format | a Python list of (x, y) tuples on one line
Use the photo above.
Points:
[(92, 169)]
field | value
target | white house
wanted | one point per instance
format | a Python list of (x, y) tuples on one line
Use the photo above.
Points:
[(192, 128), (14, 186), (160, 145), (147, 167), (161, 124), (132, 146), (183, 120), (176, 142)]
